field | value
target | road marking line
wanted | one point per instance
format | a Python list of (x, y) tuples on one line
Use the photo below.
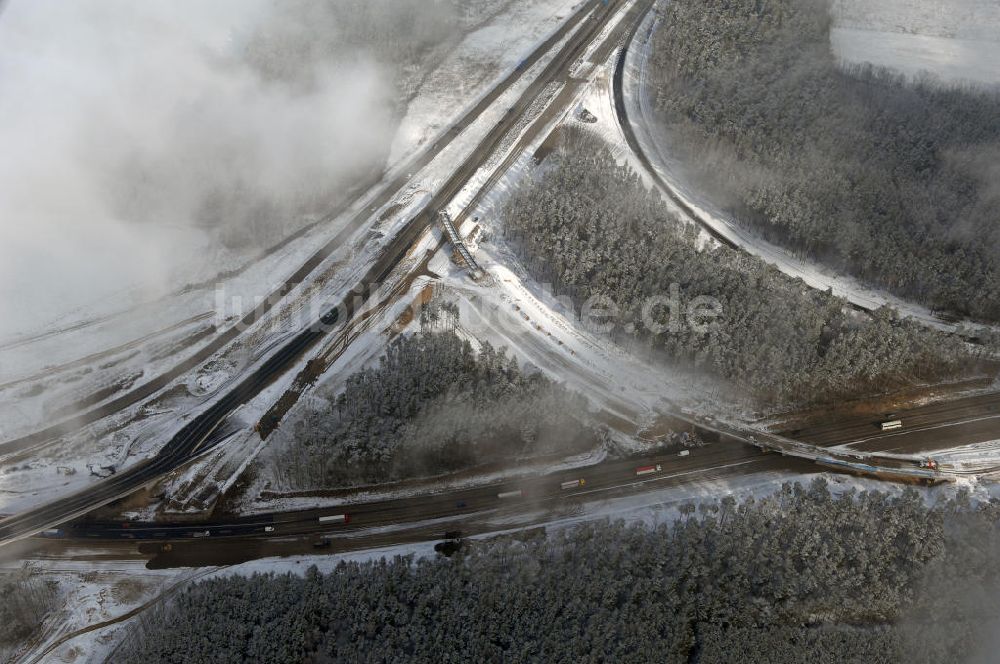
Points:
[(660, 478), (919, 429)]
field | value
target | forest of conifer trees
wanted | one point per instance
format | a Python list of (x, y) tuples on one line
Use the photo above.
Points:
[(799, 576), (590, 228), (891, 180)]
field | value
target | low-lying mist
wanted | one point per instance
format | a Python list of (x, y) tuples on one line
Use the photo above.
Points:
[(144, 140)]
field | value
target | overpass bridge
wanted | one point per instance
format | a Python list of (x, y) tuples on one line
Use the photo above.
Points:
[(463, 250)]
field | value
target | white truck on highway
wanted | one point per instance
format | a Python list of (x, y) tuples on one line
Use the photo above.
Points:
[(336, 518)]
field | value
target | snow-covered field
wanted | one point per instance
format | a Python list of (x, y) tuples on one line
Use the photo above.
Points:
[(482, 57), (963, 19), (956, 41), (947, 59)]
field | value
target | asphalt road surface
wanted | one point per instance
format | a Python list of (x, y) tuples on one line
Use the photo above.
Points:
[(430, 516), (963, 421)]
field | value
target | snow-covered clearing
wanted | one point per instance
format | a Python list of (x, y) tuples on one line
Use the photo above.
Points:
[(956, 41), (97, 594), (951, 60), (964, 19)]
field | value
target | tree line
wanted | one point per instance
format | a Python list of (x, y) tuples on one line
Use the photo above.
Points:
[(588, 226), (432, 405), (892, 181), (800, 575)]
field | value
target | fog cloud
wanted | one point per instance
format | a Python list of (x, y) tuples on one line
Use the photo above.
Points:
[(138, 136)]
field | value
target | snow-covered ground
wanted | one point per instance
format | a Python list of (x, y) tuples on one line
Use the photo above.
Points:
[(541, 329), (139, 431), (956, 41), (129, 333), (948, 59), (975, 458), (97, 594), (482, 57), (369, 341), (965, 19)]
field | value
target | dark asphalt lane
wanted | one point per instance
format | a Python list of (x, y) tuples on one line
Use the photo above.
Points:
[(430, 516), (963, 421)]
